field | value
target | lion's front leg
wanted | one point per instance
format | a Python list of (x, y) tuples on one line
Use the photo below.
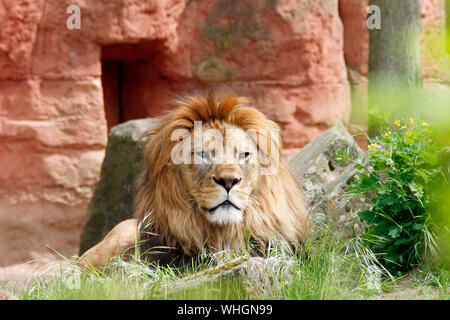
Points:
[(119, 239)]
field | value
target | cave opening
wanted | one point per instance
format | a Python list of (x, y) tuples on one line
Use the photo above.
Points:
[(133, 86), (112, 76)]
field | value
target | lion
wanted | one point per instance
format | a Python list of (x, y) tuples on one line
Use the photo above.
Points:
[(214, 179)]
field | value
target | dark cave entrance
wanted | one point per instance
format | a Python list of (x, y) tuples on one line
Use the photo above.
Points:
[(112, 91), (133, 86)]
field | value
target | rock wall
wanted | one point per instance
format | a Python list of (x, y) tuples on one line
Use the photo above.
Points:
[(52, 129)]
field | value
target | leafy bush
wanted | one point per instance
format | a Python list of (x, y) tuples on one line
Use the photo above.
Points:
[(398, 181)]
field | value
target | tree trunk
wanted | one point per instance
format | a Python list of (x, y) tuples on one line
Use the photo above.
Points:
[(394, 60)]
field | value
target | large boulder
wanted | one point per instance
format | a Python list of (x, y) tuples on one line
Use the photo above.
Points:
[(113, 197), (325, 177)]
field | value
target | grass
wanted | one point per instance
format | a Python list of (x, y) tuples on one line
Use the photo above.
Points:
[(326, 268), (422, 283)]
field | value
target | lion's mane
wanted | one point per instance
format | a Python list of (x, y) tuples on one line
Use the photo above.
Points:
[(162, 206)]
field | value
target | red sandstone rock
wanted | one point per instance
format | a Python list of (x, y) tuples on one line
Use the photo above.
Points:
[(433, 13), (277, 54), (27, 230), (356, 36), (19, 20)]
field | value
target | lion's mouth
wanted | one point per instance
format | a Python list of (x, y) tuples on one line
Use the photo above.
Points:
[(225, 203)]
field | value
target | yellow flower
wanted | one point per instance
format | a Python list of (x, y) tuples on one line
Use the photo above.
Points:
[(404, 127), (397, 122), (373, 145), (411, 120), (425, 124), (408, 133)]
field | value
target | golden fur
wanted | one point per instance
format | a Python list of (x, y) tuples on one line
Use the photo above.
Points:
[(172, 201)]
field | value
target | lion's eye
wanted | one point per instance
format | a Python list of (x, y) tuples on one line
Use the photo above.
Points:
[(244, 156)]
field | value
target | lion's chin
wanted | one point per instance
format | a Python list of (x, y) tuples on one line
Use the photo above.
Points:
[(225, 215)]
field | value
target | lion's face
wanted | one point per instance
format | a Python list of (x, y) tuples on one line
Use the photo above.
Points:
[(222, 174)]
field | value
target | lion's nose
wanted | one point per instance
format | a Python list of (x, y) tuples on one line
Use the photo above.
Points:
[(227, 183)]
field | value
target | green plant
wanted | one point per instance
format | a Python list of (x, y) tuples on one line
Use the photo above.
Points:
[(397, 179)]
